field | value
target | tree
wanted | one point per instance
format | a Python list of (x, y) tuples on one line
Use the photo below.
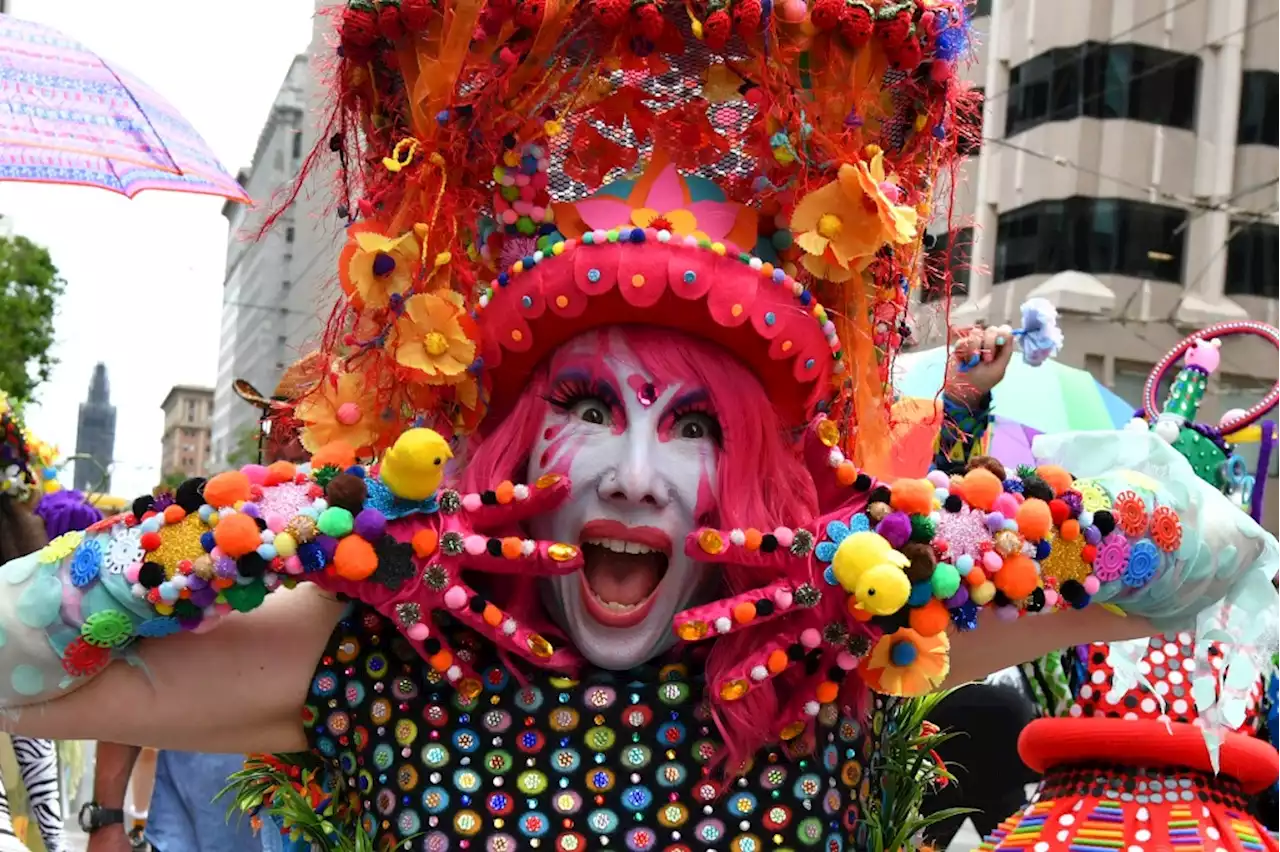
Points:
[(245, 449), (29, 290)]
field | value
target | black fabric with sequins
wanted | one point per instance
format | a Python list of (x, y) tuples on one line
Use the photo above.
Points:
[(611, 761)]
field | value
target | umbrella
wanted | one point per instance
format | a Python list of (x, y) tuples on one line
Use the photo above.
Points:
[(915, 429), (1049, 398), (68, 116)]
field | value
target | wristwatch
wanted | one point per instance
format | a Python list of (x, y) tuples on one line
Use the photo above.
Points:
[(93, 817)]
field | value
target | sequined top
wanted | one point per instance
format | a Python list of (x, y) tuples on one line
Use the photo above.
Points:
[(613, 760)]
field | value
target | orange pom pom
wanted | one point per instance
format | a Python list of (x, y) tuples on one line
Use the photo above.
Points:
[(1034, 519), (512, 547), (846, 473), (424, 543), (754, 539), (227, 489), (505, 493), (1070, 530), (281, 471), (1017, 578), (976, 576), (777, 662), (828, 692), (337, 454), (354, 558), (914, 496), (174, 514), (440, 661), (492, 615), (744, 612), (1055, 477), (930, 619), (980, 487), (237, 535)]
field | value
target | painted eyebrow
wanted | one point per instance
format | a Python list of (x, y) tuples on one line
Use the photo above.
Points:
[(687, 399), (603, 384)]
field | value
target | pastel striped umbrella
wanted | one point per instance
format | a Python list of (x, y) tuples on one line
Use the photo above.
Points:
[(68, 116), (1050, 398)]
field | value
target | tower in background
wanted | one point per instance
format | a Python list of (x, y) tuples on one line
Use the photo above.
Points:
[(96, 434)]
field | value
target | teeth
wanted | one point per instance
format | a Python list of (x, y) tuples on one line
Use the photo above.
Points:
[(614, 606), (618, 546)]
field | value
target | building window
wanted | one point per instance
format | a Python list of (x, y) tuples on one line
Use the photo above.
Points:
[(1259, 93), (297, 144), (1252, 257), (1101, 236), (947, 266), (289, 234), (978, 8), (1102, 80)]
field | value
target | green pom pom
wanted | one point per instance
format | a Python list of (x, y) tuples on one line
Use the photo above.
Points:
[(510, 193), (335, 522), (922, 528), (186, 610), (945, 580), (325, 475), (526, 226), (247, 597), (108, 628)]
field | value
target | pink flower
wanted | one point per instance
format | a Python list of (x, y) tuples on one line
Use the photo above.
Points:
[(668, 205)]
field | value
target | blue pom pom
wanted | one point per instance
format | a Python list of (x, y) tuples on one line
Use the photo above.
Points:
[(159, 627), (951, 44), (311, 556), (920, 594), (356, 470), (902, 653), (965, 616), (1042, 550), (206, 541)]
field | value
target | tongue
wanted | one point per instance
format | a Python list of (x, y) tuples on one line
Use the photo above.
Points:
[(621, 578)]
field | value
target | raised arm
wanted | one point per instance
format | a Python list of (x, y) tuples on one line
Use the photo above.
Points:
[(238, 688)]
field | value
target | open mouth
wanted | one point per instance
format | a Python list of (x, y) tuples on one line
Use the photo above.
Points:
[(622, 568)]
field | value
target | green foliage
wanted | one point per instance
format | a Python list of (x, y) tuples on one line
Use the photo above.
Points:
[(907, 769), (29, 290), (245, 449), (171, 480)]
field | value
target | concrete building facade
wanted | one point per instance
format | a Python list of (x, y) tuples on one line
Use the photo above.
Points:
[(187, 444), (96, 435), (1127, 170)]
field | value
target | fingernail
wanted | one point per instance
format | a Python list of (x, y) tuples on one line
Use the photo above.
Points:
[(1000, 340)]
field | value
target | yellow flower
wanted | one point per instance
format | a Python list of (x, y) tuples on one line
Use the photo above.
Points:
[(897, 220), (921, 668), (373, 267), (682, 223), (432, 339), (60, 548), (338, 409)]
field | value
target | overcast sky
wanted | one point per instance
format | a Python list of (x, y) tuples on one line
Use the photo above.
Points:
[(144, 277)]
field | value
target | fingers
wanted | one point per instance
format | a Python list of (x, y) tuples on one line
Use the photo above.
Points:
[(512, 555), (1004, 345), (968, 349), (507, 505), (783, 549)]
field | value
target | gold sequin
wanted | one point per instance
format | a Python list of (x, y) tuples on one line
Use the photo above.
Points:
[(178, 542), (540, 646), (828, 433), (1064, 561), (734, 689), (710, 541), (547, 480), (560, 552), (790, 732), (692, 631)]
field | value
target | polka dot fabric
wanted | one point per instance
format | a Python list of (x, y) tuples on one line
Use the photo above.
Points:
[(609, 762), (1088, 808), (1169, 666)]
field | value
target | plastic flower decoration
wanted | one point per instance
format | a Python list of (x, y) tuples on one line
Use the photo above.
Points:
[(374, 267), (906, 663), (432, 340), (339, 409), (898, 220)]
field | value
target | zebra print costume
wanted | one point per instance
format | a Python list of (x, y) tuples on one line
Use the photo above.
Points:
[(38, 764)]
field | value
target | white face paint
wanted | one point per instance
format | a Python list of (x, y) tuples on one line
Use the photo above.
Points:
[(641, 452)]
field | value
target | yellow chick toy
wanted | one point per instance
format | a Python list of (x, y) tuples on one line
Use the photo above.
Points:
[(414, 466), (867, 567)]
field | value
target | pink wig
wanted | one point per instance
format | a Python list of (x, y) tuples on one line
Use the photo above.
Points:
[(762, 484)]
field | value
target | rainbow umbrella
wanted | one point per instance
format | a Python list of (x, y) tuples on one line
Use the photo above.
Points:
[(916, 423), (1049, 398), (68, 116)]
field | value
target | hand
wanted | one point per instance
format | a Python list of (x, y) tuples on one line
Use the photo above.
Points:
[(111, 838), (421, 558), (980, 358)]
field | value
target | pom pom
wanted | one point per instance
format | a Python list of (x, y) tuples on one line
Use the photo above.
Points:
[(930, 619), (237, 534), (190, 495), (716, 29), (337, 454), (980, 487), (922, 561), (359, 28), (227, 489), (151, 575), (826, 15), (334, 521), (908, 56), (347, 491), (856, 25), (280, 472), (354, 559), (312, 557), (747, 15), (611, 14), (894, 32), (389, 23), (1018, 577), (1055, 477), (251, 565), (988, 463), (1040, 337), (1034, 518), (945, 581), (415, 15), (895, 528), (529, 13), (651, 22), (912, 495), (370, 524)]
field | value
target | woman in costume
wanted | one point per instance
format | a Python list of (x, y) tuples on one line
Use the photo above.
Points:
[(32, 510), (1129, 765), (591, 246)]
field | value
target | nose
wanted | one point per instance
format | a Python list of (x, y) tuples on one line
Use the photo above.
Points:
[(635, 481)]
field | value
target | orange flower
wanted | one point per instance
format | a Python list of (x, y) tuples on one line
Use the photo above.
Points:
[(432, 339), (1166, 529), (373, 267), (897, 220), (906, 663), (1130, 514), (341, 408)]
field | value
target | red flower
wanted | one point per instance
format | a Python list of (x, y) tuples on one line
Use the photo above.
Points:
[(908, 56), (611, 14), (651, 21), (895, 31), (1130, 514), (529, 13), (359, 27), (80, 659), (389, 23), (1166, 529), (716, 29), (415, 15), (856, 26), (828, 14), (746, 17)]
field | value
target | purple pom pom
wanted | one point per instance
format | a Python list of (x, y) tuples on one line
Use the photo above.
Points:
[(370, 525), (896, 528), (64, 511), (959, 599), (329, 545)]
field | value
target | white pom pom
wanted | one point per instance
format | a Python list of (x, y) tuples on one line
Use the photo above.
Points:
[(1233, 414), (759, 673), (1167, 430), (723, 625), (1137, 424)]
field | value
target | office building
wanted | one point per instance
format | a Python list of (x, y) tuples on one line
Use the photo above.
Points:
[(1127, 171), (187, 444), (96, 435)]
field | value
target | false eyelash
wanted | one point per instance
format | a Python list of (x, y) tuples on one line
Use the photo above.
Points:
[(699, 407), (569, 392)]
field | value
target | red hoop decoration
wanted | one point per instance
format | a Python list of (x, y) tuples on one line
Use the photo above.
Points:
[(1223, 329)]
